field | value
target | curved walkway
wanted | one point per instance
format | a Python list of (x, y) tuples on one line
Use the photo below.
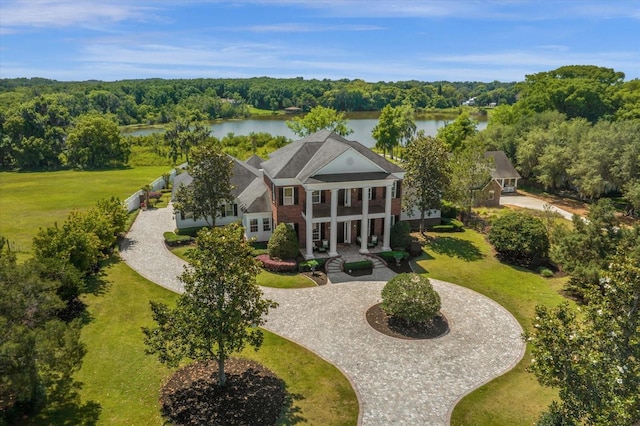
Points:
[(397, 381)]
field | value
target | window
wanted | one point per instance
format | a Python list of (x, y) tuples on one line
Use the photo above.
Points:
[(273, 193), (315, 197), (491, 195), (394, 189), (369, 192), (287, 196), (393, 220), (253, 225), (229, 210), (316, 232), (266, 224)]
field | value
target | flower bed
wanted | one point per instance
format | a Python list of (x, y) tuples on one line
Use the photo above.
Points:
[(277, 265)]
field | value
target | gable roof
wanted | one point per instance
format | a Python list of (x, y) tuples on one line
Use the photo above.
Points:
[(242, 177), (503, 169), (304, 158), (255, 161)]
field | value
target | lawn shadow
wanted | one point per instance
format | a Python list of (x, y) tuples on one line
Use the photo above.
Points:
[(97, 284), (454, 247), (64, 407)]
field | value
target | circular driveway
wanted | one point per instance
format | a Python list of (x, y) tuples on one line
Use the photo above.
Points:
[(397, 381)]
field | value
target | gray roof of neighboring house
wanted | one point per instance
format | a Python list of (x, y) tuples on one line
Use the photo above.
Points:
[(303, 158), (249, 188), (503, 169), (255, 161)]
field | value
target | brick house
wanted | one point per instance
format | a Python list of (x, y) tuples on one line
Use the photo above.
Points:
[(330, 190)]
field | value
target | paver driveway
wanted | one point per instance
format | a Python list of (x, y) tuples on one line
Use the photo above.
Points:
[(398, 382)]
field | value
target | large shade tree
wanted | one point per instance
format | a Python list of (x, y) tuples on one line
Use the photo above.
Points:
[(95, 142), (395, 126), (320, 118), (593, 357), (470, 171), (428, 174), (210, 189), (221, 308)]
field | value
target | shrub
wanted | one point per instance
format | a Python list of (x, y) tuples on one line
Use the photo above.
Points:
[(410, 297), (277, 265), (545, 272), (444, 228), (390, 256), (401, 235), (173, 240), (283, 243), (258, 251), (155, 195), (356, 266), (448, 210), (458, 226), (192, 232), (306, 266), (519, 238)]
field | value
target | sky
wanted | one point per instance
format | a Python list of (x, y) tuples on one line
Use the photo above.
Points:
[(372, 40)]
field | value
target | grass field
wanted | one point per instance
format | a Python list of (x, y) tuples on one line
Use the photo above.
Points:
[(40, 199), (467, 260), (125, 382)]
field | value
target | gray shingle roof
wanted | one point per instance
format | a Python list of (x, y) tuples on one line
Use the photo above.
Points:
[(255, 161), (303, 158), (503, 169)]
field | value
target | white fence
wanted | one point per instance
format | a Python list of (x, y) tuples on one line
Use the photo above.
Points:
[(133, 202)]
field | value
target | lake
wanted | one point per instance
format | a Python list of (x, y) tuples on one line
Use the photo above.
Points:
[(362, 128)]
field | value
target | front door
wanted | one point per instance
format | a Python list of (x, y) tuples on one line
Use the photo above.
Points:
[(340, 232), (347, 232)]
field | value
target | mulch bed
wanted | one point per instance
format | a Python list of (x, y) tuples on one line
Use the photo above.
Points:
[(360, 272), (403, 268), (319, 277), (397, 327), (253, 395)]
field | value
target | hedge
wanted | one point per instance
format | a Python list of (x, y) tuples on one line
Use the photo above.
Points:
[(274, 265), (390, 256), (192, 232), (355, 266), (444, 228), (173, 240)]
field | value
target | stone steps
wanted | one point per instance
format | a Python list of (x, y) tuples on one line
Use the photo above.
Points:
[(334, 265)]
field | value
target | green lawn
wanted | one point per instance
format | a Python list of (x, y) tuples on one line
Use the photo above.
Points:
[(125, 382), (466, 259), (265, 278), (40, 199)]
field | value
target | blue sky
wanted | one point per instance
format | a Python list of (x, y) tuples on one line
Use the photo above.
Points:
[(374, 40)]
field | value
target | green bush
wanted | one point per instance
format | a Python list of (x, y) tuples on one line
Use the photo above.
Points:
[(283, 243), (401, 235), (173, 240), (410, 297), (444, 228), (519, 238), (192, 232), (448, 210), (390, 256), (258, 251), (545, 272), (356, 266), (305, 266)]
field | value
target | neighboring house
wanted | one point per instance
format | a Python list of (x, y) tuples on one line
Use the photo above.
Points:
[(488, 196), (251, 205), (330, 190), (503, 172)]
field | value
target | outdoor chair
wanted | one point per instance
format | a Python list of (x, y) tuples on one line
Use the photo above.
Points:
[(324, 247), (374, 241)]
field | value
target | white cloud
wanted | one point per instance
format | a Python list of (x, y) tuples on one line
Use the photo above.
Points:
[(63, 13)]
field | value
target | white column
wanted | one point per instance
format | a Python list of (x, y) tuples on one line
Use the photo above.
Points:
[(333, 240), (364, 225), (386, 239), (309, 224)]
